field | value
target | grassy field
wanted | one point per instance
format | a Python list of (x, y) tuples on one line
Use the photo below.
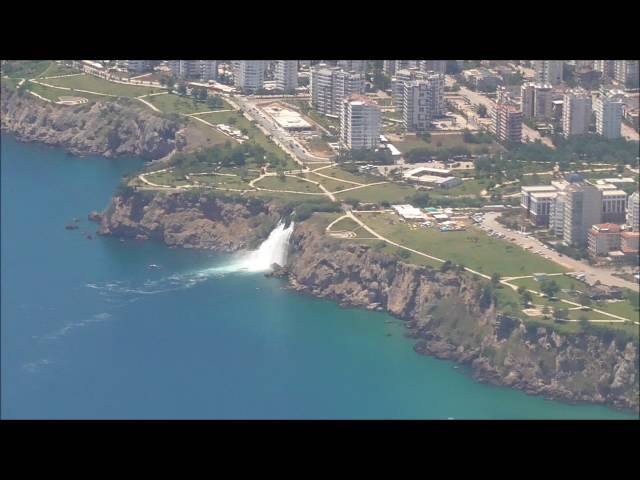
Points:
[(166, 178), (222, 181), (413, 258), (252, 131), (289, 183), (440, 142), (470, 248), (342, 174), (468, 187), (25, 68), (171, 103), (94, 84), (202, 135), (386, 192), (563, 281), (55, 69), (54, 94), (331, 185)]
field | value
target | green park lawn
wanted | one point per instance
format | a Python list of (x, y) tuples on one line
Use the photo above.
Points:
[(171, 103), (55, 69), (94, 84), (413, 258), (471, 248), (25, 68), (329, 184), (206, 136), (341, 174), (222, 181), (54, 94), (386, 192), (254, 133), (288, 183)]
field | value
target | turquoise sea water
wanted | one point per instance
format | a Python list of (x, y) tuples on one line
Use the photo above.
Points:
[(88, 331)]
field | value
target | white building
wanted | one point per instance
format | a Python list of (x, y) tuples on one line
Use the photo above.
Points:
[(576, 112), (606, 68), (249, 75), (608, 116), (548, 71), (202, 70), (331, 85), (633, 211), (286, 75), (626, 72), (359, 123), (614, 204), (423, 100), (582, 209)]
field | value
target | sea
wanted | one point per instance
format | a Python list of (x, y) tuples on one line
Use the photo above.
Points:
[(89, 331)]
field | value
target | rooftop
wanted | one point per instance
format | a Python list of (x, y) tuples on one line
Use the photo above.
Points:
[(606, 228)]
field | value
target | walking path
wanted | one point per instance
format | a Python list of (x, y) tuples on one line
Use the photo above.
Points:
[(350, 214), (150, 105)]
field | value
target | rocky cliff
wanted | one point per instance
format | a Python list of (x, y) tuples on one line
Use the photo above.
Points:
[(190, 220), (110, 128), (445, 314)]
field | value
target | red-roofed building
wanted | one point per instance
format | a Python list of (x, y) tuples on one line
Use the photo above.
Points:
[(630, 243), (603, 238)]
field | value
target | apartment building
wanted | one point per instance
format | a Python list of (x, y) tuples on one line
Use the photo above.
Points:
[(286, 75), (548, 71), (603, 238), (202, 70), (633, 212), (355, 66), (536, 101), (423, 100), (507, 122), (330, 86), (576, 112), (438, 66), (626, 72), (582, 209), (249, 75), (608, 112), (614, 206), (359, 123)]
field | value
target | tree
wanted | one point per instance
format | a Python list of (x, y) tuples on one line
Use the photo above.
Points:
[(495, 280), (446, 266), (181, 88), (549, 288), (521, 289), (527, 298), (482, 110), (561, 313)]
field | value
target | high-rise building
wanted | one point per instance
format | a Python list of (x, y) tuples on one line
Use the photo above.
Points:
[(626, 72), (608, 115), (249, 75), (633, 212), (286, 75), (438, 66), (582, 209), (423, 100), (389, 67), (576, 112), (507, 122), (405, 64), (359, 123), (606, 68), (397, 86), (536, 101), (614, 205), (330, 85), (548, 71), (356, 66), (202, 70)]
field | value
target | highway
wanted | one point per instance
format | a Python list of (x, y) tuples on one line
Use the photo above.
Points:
[(282, 138)]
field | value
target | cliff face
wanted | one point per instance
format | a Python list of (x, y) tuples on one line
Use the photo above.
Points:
[(102, 128), (443, 314), (190, 221)]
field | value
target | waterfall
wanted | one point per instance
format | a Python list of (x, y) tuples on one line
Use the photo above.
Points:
[(272, 250)]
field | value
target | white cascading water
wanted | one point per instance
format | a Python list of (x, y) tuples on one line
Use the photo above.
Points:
[(272, 250)]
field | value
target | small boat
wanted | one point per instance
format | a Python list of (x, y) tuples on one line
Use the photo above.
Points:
[(71, 226), (450, 418), (153, 266), (122, 240), (455, 367)]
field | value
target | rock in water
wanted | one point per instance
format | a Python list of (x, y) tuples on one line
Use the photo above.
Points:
[(94, 216)]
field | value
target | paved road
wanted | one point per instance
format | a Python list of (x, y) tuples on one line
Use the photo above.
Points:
[(629, 133), (592, 273)]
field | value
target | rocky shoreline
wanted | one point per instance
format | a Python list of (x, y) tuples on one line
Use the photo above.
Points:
[(111, 129), (443, 313)]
